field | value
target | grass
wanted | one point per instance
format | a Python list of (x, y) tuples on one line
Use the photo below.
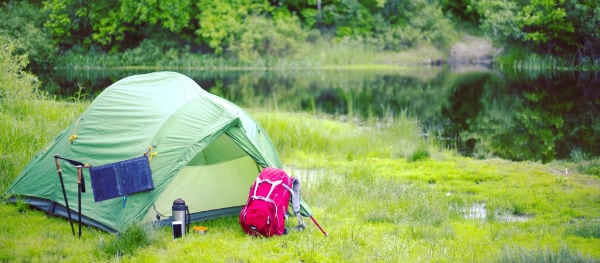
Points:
[(381, 191), (376, 204), (302, 134)]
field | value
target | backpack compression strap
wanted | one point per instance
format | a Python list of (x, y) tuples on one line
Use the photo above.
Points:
[(267, 198)]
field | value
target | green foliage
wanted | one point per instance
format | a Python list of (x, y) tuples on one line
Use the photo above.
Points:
[(349, 17), (17, 85), (173, 15), (264, 38), (21, 24), (22, 106), (561, 28), (114, 25), (434, 28), (217, 21), (78, 24), (465, 10), (224, 24), (400, 12), (497, 19), (242, 29), (545, 23), (59, 20)]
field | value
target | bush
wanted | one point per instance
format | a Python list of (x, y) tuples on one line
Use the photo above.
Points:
[(266, 38), (17, 84), (16, 93)]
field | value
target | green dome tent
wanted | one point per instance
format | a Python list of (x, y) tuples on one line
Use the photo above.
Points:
[(203, 149)]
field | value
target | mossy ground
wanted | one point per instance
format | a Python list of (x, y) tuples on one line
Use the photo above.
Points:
[(375, 203)]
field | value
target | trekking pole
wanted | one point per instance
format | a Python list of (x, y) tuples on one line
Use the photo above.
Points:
[(62, 185), (319, 226), (80, 189)]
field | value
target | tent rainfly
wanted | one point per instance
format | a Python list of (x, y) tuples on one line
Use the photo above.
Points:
[(203, 149)]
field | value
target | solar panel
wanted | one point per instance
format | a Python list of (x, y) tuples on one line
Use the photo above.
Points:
[(121, 178)]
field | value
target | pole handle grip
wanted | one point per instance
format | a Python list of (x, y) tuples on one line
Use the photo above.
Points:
[(80, 179), (57, 161)]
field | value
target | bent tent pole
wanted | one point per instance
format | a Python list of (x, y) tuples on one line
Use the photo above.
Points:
[(62, 185)]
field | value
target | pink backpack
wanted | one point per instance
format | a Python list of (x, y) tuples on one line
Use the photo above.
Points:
[(264, 212)]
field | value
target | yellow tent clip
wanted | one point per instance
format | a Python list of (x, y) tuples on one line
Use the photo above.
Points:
[(150, 153), (74, 135)]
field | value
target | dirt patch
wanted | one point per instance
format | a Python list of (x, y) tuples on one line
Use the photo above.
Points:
[(472, 53), (472, 49)]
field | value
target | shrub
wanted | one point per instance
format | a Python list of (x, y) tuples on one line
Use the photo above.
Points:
[(266, 38)]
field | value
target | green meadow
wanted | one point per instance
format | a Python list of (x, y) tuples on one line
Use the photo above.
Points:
[(381, 191)]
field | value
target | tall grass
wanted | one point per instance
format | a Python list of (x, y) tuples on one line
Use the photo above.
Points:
[(585, 163), (536, 64), (301, 135), (127, 243), (320, 55), (29, 118)]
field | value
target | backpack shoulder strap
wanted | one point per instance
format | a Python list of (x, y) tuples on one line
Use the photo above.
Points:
[(268, 196), (296, 203)]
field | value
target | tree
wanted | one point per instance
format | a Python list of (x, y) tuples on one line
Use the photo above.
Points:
[(21, 23), (545, 24), (348, 17), (114, 24), (219, 22), (558, 27), (464, 10)]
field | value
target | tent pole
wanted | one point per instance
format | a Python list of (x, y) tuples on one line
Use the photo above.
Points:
[(80, 188), (62, 185)]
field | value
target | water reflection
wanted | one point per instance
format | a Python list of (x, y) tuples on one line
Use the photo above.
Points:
[(481, 113)]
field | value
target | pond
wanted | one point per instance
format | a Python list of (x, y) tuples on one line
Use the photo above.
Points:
[(478, 111)]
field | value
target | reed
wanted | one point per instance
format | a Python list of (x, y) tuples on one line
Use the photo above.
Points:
[(302, 135), (536, 64), (347, 54)]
